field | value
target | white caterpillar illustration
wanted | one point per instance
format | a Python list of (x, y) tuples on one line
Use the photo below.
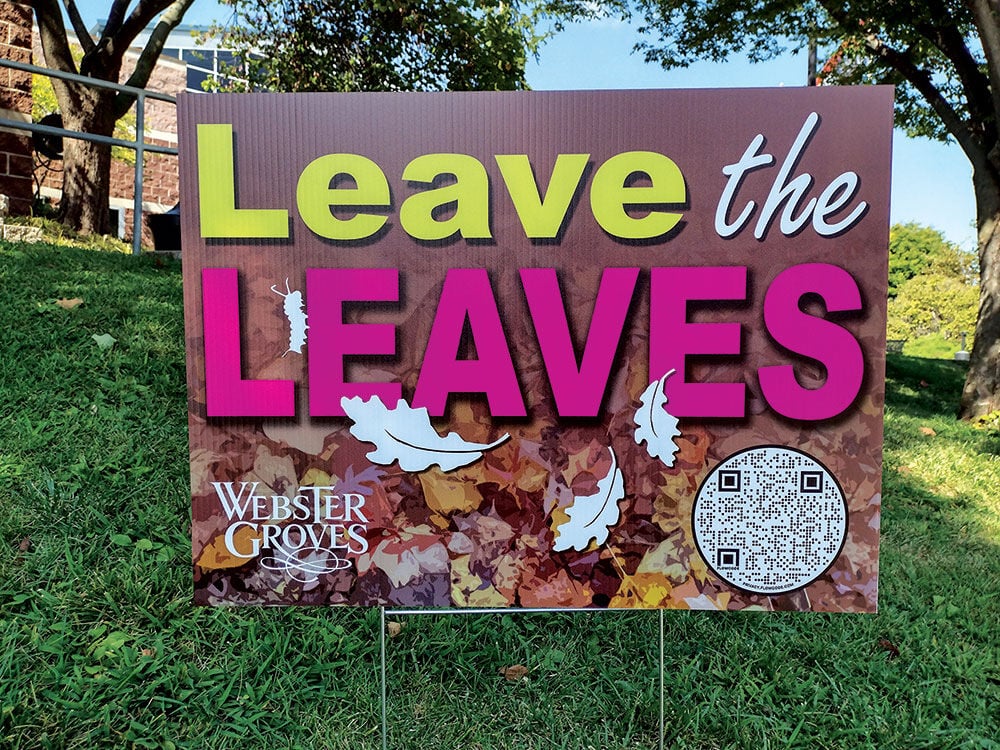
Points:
[(296, 318)]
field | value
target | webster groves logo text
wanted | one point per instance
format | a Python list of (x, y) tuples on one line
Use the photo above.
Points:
[(306, 534)]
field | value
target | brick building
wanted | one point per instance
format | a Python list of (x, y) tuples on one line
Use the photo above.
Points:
[(24, 174), (15, 104)]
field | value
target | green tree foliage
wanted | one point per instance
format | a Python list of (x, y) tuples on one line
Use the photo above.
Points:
[(933, 304), (926, 48), (932, 295), (916, 250), (387, 45), (943, 57), (87, 166)]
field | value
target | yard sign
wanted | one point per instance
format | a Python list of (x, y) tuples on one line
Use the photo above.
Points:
[(577, 349)]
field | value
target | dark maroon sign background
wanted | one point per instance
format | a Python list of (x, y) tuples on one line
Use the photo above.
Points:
[(488, 533)]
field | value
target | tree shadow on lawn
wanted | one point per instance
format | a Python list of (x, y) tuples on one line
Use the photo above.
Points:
[(924, 387)]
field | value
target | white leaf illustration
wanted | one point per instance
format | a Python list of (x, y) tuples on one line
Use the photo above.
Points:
[(296, 317), (592, 516), (405, 434), (654, 425)]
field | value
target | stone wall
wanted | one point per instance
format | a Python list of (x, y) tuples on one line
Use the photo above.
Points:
[(15, 104)]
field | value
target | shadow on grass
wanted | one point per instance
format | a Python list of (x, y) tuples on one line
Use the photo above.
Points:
[(924, 387)]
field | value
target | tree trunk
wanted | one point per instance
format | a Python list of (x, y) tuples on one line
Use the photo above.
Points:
[(981, 394), (86, 165)]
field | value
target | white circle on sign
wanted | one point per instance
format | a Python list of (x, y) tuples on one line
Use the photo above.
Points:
[(770, 520)]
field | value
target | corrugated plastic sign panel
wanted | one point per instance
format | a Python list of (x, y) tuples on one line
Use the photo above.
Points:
[(575, 349)]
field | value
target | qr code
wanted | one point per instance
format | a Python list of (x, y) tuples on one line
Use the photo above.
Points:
[(770, 520)]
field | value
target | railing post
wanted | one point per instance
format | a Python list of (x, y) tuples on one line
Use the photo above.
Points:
[(140, 154)]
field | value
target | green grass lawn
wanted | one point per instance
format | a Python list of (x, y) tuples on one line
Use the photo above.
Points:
[(100, 646)]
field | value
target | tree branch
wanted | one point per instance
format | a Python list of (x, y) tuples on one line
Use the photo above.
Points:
[(101, 58), (987, 20), (922, 82), (82, 35), (115, 18), (141, 16), (976, 85), (104, 61), (975, 148), (154, 46), (55, 46)]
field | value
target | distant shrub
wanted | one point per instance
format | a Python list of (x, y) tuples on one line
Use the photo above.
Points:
[(934, 305), (932, 346)]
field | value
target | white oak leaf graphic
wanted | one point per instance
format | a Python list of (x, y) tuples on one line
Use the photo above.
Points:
[(654, 425), (592, 516), (405, 435)]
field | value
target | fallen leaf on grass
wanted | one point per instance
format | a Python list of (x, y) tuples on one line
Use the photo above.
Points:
[(25, 544), (394, 628), (104, 341), (924, 384), (514, 673), (928, 431), (69, 304), (886, 645), (150, 652)]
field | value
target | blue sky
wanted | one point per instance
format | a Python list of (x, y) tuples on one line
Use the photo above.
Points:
[(931, 182)]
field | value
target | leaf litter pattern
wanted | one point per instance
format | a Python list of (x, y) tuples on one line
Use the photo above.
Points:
[(488, 534)]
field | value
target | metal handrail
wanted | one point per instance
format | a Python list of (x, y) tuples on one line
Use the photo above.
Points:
[(34, 127), (87, 81), (138, 145)]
